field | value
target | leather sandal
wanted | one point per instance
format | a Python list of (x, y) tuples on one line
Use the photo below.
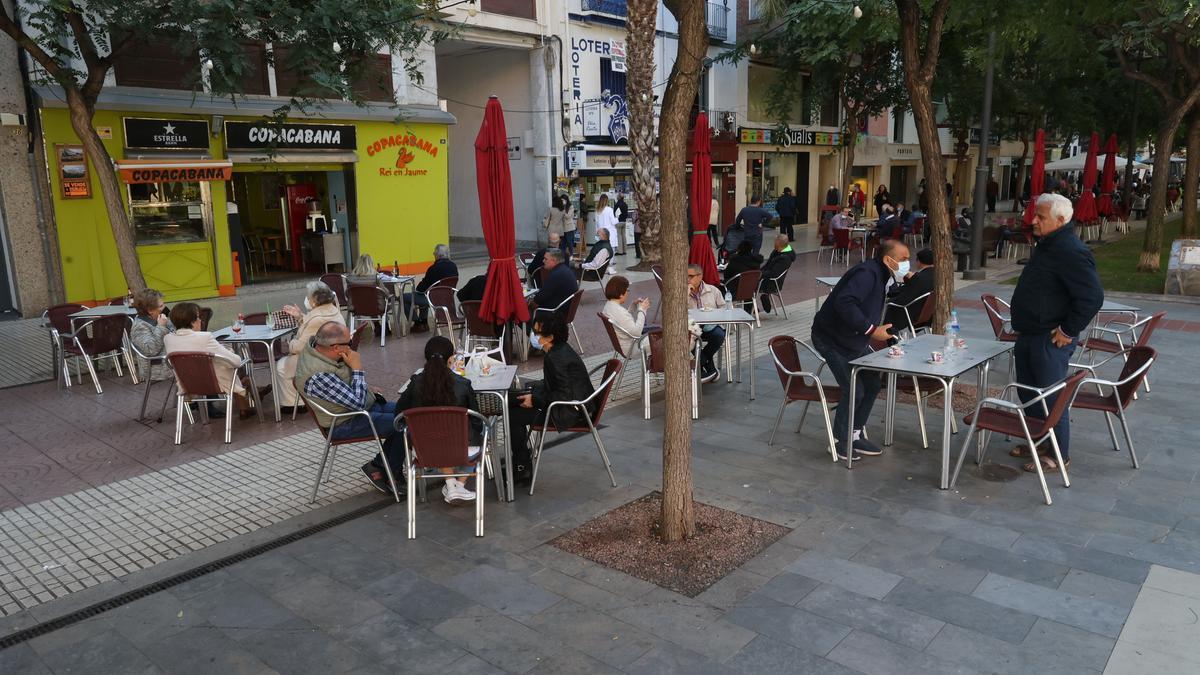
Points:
[(1049, 464)]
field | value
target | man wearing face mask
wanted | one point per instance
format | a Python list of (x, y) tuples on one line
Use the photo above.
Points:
[(843, 329)]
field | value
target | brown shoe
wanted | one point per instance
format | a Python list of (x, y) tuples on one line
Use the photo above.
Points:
[(420, 328)]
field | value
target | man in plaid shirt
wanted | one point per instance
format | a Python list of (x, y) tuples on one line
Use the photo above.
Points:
[(330, 374)]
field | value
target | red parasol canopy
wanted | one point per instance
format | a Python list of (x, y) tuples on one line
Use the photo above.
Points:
[(1037, 176), (1085, 210), (1108, 180), (701, 201), (503, 298)]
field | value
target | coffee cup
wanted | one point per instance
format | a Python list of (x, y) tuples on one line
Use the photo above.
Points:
[(936, 357)]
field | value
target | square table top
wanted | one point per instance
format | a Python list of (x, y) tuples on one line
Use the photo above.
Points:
[(256, 333), (724, 315), (104, 310), (828, 281), (1110, 306), (917, 352), (500, 379), (389, 279)]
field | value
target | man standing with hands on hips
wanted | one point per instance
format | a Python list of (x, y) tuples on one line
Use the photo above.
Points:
[(842, 332), (1056, 298)]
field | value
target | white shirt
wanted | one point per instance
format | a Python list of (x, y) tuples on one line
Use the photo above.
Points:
[(599, 261), (607, 220), (630, 327)]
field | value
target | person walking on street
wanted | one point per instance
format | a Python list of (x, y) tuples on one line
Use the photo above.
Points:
[(606, 220), (714, 221), (1057, 295), (561, 220), (751, 220), (622, 210), (843, 330), (882, 198), (785, 206), (856, 200), (993, 191)]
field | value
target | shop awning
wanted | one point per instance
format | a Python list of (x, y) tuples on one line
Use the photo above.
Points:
[(174, 171), (295, 157)]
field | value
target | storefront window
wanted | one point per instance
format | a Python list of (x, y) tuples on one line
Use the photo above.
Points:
[(167, 213), (769, 173)]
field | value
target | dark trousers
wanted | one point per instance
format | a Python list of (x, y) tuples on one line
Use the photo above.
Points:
[(519, 420), (713, 338), (567, 243), (637, 244), (991, 203), (767, 286), (383, 417), (786, 224), (754, 235), (1041, 364), (422, 304), (865, 392), (713, 235)]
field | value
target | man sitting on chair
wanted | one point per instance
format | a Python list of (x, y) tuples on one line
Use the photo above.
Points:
[(781, 259), (915, 284), (330, 374), (703, 296), (539, 258), (559, 284), (598, 257)]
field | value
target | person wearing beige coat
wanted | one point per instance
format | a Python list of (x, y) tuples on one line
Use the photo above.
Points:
[(322, 307), (189, 338)]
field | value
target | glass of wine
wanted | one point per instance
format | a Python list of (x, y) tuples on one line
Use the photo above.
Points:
[(237, 326)]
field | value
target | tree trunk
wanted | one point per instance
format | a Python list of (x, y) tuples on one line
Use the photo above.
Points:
[(920, 62), (642, 16), (849, 150), (1190, 176), (1021, 171), (102, 167), (678, 519), (1156, 212)]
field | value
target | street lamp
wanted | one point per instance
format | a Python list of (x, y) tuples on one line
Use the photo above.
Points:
[(975, 267)]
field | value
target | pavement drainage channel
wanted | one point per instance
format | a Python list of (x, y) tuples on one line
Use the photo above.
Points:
[(46, 627)]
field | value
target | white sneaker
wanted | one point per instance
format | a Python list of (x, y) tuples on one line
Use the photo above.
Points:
[(456, 493)]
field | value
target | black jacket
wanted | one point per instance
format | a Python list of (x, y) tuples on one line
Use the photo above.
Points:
[(1058, 288), (849, 314), (464, 397), (440, 269), (473, 290), (565, 378), (560, 283), (538, 262), (752, 216), (622, 211), (785, 206), (778, 263), (917, 285), (738, 264)]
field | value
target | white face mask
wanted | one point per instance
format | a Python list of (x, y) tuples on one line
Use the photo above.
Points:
[(307, 305), (535, 341), (901, 270)]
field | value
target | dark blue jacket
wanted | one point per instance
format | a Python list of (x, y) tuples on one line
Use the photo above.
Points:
[(560, 283), (441, 268), (785, 206), (853, 308), (752, 216), (1058, 288)]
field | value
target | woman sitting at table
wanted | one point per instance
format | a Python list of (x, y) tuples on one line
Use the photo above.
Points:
[(364, 272), (189, 338), (321, 305), (631, 324), (149, 328), (436, 385), (565, 378)]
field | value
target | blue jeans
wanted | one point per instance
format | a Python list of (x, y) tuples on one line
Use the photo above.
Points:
[(383, 416), (422, 305), (1041, 364), (713, 338), (865, 393), (754, 235), (567, 243)]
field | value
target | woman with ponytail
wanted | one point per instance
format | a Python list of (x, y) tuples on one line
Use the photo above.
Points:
[(436, 385)]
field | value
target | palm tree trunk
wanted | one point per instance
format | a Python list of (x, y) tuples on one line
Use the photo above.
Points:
[(642, 15)]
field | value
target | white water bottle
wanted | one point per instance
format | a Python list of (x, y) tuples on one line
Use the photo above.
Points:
[(952, 332)]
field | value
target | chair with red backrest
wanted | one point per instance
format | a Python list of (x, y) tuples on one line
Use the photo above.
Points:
[(440, 437), (371, 304), (917, 237), (97, 339), (480, 332), (1020, 238), (196, 379), (443, 302), (1002, 416), (843, 244), (827, 243), (331, 443), (773, 287), (745, 290), (924, 316), (598, 400), (999, 314), (653, 362), (1121, 393), (57, 322), (1122, 335), (612, 330), (801, 385), (567, 309), (357, 336)]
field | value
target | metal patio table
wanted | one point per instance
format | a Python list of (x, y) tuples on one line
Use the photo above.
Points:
[(261, 335), (396, 286), (915, 363), (497, 384), (739, 318), (825, 281)]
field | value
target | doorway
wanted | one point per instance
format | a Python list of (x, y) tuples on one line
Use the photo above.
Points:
[(8, 296), (898, 184), (287, 216)]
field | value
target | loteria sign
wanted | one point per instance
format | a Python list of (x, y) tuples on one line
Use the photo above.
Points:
[(403, 149)]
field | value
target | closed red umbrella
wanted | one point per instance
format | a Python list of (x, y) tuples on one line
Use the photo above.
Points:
[(701, 201), (503, 298), (1085, 210), (1037, 176), (1108, 179)]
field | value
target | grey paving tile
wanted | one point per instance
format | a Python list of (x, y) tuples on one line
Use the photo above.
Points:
[(503, 591), (596, 634), (1025, 567), (469, 664), (1105, 589), (885, 620), (499, 640), (394, 642), (960, 528), (1107, 523), (235, 604), (862, 579), (766, 655), (327, 603), (106, 652), (301, 647), (577, 590), (927, 569), (201, 650), (694, 627), (963, 610), (1130, 659), (989, 655), (1179, 553), (797, 627), (153, 618), (732, 589), (1052, 642), (1123, 568), (668, 658), (1173, 581), (785, 587), (420, 600), (1098, 617), (874, 655), (67, 637), (22, 659), (1165, 623)]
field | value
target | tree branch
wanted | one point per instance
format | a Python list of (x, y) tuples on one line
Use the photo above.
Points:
[(96, 69), (29, 45), (1163, 88), (933, 46)]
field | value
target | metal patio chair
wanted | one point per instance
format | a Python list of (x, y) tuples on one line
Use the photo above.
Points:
[(599, 397), (1121, 391), (802, 385), (439, 436), (329, 454), (370, 304), (196, 380)]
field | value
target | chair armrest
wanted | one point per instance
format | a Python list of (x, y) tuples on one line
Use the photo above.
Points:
[(812, 350), (999, 403)]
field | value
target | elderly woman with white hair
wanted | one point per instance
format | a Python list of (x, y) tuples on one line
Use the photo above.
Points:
[(321, 307)]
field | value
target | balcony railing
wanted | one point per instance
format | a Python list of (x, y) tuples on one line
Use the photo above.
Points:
[(717, 14), (610, 7)]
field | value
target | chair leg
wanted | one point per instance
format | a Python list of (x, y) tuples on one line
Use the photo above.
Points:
[(1128, 438), (1058, 457), (480, 482), (229, 415), (829, 431), (412, 503), (571, 327), (383, 331), (645, 395), (387, 469), (180, 404), (600, 447), (803, 414), (1112, 433), (537, 460), (778, 419), (921, 420), (145, 398), (963, 454), (170, 388), (320, 471), (92, 372)]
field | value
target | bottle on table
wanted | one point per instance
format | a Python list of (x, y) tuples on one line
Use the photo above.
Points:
[(239, 323), (270, 319), (952, 331), (395, 268)]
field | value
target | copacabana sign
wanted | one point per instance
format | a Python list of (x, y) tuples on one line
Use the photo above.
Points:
[(407, 147)]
